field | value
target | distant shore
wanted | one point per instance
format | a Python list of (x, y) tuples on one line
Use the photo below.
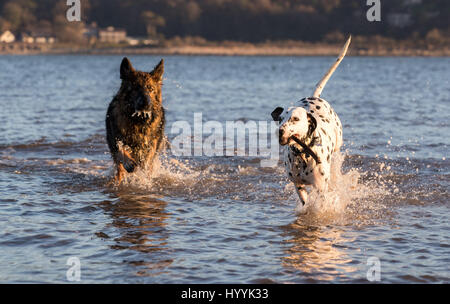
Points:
[(236, 49)]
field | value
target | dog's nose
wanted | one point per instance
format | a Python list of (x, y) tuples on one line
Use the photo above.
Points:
[(144, 101), (148, 100)]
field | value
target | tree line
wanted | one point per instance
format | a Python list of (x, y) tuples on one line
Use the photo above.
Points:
[(236, 20)]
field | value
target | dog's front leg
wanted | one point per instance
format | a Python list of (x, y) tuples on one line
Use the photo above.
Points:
[(124, 162), (125, 159), (302, 194), (120, 173)]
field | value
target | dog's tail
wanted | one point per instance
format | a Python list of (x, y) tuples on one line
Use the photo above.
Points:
[(324, 80)]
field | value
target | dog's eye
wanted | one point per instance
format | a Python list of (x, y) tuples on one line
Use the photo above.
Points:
[(295, 119)]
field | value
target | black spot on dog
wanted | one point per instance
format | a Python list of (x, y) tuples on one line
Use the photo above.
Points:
[(328, 158), (306, 173), (318, 107), (311, 103), (312, 111), (323, 131)]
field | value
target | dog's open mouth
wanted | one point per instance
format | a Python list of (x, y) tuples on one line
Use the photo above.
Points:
[(142, 114)]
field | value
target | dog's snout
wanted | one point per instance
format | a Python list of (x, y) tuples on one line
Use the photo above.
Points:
[(282, 136), (144, 101)]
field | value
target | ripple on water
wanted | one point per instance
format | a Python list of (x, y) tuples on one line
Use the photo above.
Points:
[(222, 219)]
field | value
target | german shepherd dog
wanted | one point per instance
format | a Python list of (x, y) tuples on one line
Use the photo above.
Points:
[(135, 119)]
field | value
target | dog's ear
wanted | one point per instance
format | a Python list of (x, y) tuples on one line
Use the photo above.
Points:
[(126, 69), (276, 113), (158, 71), (312, 122)]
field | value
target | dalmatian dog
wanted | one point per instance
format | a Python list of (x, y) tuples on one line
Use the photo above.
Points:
[(310, 132)]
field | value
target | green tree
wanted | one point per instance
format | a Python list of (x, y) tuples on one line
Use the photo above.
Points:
[(19, 14), (4, 25), (152, 21)]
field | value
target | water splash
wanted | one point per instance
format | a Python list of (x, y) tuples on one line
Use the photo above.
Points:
[(353, 194)]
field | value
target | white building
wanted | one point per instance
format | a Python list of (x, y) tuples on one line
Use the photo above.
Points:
[(7, 37), (37, 37), (111, 34)]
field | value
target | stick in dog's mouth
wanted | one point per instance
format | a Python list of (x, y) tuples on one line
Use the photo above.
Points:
[(306, 149)]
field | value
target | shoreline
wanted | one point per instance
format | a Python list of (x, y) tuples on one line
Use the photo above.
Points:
[(232, 49)]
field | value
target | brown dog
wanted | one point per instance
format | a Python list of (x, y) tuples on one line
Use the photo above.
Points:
[(135, 119)]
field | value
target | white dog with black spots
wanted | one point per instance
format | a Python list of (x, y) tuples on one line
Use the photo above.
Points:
[(310, 132)]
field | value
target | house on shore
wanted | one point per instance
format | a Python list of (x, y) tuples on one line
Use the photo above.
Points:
[(92, 33), (38, 37), (112, 35), (7, 37)]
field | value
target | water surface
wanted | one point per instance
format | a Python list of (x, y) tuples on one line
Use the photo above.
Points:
[(224, 219)]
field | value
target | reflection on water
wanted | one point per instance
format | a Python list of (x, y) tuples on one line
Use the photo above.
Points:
[(319, 251), (141, 223)]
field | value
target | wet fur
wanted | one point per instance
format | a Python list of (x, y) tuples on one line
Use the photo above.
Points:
[(133, 139)]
